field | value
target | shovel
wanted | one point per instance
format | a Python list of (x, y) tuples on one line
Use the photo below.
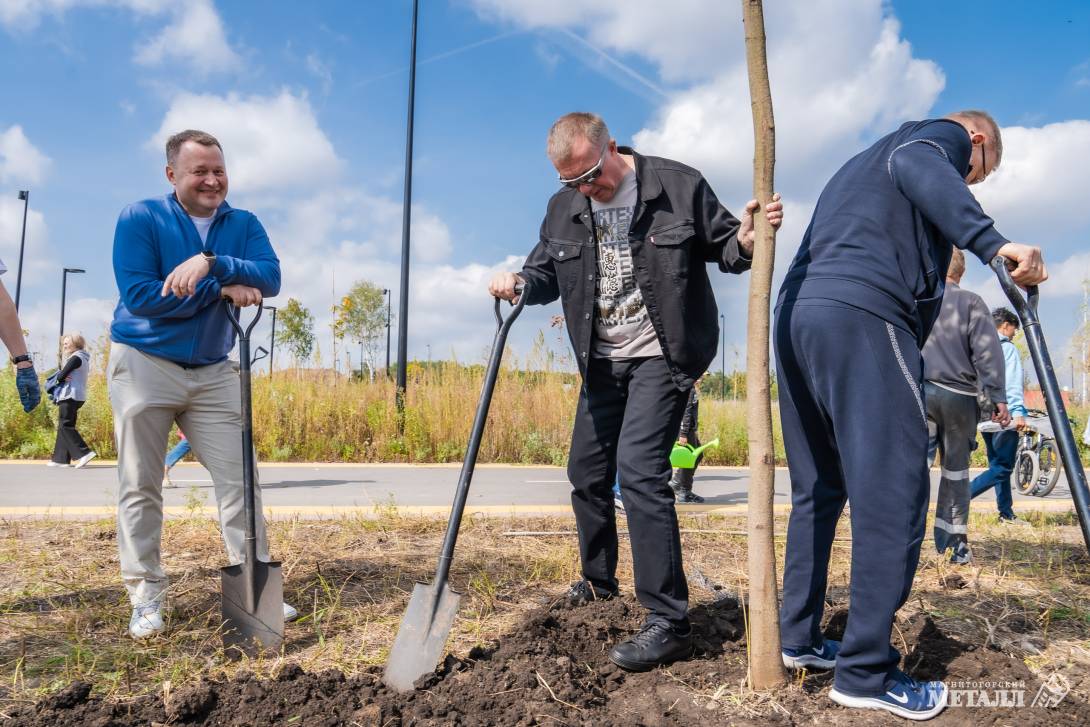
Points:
[(684, 456), (253, 591), (427, 621), (1026, 308)]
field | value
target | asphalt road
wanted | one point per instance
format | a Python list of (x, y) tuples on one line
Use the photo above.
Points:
[(31, 488)]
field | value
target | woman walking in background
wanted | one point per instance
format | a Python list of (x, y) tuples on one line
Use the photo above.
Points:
[(69, 395)]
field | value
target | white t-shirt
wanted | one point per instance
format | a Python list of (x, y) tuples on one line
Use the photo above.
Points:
[(622, 327), (202, 224)]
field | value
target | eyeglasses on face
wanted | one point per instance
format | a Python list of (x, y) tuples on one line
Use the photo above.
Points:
[(589, 176)]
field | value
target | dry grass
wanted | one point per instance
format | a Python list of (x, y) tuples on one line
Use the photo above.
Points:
[(314, 417), (63, 613)]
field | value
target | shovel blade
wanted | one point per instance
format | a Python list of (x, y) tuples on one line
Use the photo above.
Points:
[(248, 629), (423, 635)]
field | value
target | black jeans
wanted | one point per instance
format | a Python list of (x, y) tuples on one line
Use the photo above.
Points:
[(70, 444), (628, 415)]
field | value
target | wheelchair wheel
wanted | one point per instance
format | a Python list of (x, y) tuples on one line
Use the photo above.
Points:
[(1048, 468), (1026, 471)]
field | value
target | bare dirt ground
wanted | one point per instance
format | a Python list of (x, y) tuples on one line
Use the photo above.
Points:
[(999, 629)]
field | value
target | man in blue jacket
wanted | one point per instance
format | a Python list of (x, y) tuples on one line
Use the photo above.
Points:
[(175, 258), (856, 306), (1002, 446)]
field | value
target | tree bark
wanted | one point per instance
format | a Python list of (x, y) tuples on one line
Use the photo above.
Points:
[(765, 665)]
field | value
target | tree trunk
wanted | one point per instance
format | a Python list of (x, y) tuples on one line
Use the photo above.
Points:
[(765, 665)]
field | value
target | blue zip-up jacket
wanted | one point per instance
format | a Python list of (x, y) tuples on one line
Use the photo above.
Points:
[(881, 235), (1012, 362), (155, 236)]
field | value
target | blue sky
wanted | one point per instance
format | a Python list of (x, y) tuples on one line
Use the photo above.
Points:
[(309, 100)]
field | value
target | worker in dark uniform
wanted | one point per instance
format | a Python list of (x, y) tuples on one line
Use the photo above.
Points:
[(854, 310)]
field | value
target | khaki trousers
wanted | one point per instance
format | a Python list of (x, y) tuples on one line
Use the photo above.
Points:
[(148, 395)]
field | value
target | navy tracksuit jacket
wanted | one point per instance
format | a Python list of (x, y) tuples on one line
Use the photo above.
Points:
[(855, 308)]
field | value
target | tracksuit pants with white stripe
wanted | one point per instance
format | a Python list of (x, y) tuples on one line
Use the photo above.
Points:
[(951, 423), (855, 430)]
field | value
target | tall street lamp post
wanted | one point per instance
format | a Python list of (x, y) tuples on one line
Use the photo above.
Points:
[(25, 196), (723, 356), (403, 309), (64, 295), (272, 341), (386, 292)]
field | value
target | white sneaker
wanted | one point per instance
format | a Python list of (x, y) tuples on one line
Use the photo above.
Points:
[(290, 614), (84, 459), (51, 463), (147, 620)]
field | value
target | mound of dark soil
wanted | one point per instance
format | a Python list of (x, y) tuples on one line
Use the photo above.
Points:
[(554, 670)]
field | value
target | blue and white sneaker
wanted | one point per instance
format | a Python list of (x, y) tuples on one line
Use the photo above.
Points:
[(904, 697), (812, 658)]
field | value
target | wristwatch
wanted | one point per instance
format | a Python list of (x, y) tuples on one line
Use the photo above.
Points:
[(210, 257), (16, 360)]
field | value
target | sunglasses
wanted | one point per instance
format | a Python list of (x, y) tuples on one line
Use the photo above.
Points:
[(589, 176)]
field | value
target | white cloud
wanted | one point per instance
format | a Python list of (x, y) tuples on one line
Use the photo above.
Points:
[(687, 39), (272, 143), (826, 109), (195, 37), (25, 15), (20, 161), (322, 71), (1038, 194)]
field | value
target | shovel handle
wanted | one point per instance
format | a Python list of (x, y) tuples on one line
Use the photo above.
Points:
[(520, 288), (1026, 308), (234, 313), (1024, 305), (503, 326)]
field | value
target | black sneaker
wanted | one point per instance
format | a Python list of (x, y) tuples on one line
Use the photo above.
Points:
[(583, 592), (686, 497), (657, 644)]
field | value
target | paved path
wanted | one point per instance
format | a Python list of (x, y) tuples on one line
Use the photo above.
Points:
[(31, 488)]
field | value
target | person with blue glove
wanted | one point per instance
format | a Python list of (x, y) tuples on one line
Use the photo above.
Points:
[(11, 333)]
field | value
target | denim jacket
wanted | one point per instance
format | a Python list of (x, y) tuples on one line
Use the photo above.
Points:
[(678, 227)]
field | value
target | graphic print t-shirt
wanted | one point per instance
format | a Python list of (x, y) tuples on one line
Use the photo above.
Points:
[(622, 327)]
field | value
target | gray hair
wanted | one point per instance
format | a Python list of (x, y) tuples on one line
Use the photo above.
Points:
[(983, 117), (569, 128), (174, 143)]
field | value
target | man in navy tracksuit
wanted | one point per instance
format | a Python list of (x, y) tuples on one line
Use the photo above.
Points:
[(855, 308)]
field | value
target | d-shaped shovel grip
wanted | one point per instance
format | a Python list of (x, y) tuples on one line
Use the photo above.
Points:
[(520, 288), (233, 315), (1024, 305)]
